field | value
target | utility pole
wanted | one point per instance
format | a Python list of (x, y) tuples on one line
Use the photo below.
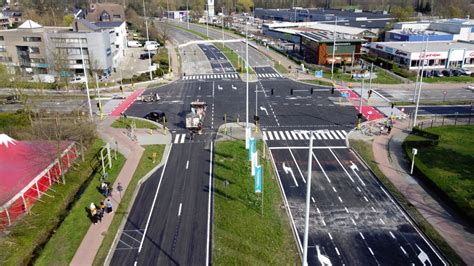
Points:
[(207, 20), (222, 26), (187, 12), (148, 38), (333, 51), (421, 81), (418, 73), (98, 96), (308, 196), (87, 82), (370, 80)]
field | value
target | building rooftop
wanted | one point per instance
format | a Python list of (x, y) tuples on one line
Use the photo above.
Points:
[(420, 32), (362, 23), (327, 36), (108, 24), (414, 47)]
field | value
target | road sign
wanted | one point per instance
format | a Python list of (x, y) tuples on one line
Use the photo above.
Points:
[(318, 73), (258, 179), (251, 147)]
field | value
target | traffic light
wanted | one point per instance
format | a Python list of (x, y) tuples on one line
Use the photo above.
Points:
[(369, 93), (98, 105), (359, 119), (332, 90), (291, 91), (312, 90), (393, 105)]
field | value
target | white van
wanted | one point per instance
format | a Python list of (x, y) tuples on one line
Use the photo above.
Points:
[(134, 44), (45, 78), (152, 42), (151, 47)]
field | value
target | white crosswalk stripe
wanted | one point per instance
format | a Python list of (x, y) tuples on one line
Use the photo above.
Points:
[(282, 135), (344, 132), (176, 139), (183, 137), (270, 136), (293, 135), (340, 134)]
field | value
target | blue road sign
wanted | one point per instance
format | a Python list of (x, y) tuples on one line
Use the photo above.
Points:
[(251, 147), (258, 179), (318, 73)]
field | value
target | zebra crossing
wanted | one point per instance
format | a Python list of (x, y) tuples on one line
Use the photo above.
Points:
[(212, 76), (269, 75), (324, 134)]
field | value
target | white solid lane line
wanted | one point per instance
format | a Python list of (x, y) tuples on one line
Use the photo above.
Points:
[(187, 164), (153, 204), (320, 166), (209, 208), (297, 166), (179, 211), (343, 168)]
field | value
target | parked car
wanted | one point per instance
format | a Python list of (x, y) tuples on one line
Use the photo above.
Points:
[(447, 73), (470, 87), (456, 72), (157, 116), (134, 44), (146, 55), (465, 72), (427, 73), (437, 73), (78, 79)]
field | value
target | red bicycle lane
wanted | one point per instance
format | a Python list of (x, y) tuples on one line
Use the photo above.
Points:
[(125, 104), (369, 112)]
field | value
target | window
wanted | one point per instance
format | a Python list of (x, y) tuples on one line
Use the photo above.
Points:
[(105, 16), (1, 38), (37, 60), (117, 16), (116, 34), (32, 39), (33, 50)]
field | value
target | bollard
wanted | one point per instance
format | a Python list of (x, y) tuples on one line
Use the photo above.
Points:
[(151, 131)]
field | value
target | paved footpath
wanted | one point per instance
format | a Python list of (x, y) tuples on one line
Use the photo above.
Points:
[(132, 151), (392, 161)]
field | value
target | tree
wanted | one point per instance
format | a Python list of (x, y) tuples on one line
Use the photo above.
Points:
[(402, 13), (244, 5), (68, 20)]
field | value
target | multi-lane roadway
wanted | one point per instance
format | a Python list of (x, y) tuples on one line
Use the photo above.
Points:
[(353, 218)]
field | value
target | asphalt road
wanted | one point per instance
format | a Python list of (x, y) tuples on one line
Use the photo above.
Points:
[(353, 219), (427, 94), (168, 223)]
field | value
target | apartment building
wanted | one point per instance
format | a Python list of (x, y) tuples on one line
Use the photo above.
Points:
[(34, 49)]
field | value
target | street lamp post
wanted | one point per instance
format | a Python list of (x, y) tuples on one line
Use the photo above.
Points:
[(414, 151), (247, 87), (87, 82), (222, 26), (98, 96), (187, 12), (333, 50), (308, 196), (148, 38), (421, 81)]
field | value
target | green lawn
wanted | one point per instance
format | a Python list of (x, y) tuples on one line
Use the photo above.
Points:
[(318, 82), (146, 165), (449, 165), (242, 236), (32, 231), (125, 123), (382, 78), (465, 79), (364, 149), (62, 246), (280, 68)]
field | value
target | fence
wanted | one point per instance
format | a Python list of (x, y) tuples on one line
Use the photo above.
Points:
[(437, 121)]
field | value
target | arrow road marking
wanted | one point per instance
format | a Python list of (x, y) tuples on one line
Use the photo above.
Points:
[(287, 170), (354, 168), (264, 109), (423, 257), (234, 87)]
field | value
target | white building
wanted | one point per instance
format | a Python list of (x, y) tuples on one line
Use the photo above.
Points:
[(118, 38), (439, 55), (210, 8), (437, 30)]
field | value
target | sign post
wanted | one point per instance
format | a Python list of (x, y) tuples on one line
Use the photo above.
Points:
[(414, 151)]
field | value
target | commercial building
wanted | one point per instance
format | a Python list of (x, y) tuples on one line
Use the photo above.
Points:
[(436, 30), (355, 18), (439, 55), (316, 47), (34, 49)]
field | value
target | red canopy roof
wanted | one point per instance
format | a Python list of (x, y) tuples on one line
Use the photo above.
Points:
[(22, 161)]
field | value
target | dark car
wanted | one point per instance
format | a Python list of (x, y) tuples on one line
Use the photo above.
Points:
[(437, 73), (447, 73), (427, 73), (456, 72), (157, 116), (146, 55)]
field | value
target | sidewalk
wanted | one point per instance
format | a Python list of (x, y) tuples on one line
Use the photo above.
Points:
[(132, 151), (391, 159)]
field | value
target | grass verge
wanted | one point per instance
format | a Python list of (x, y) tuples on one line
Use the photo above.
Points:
[(280, 68), (126, 122), (318, 82), (62, 246), (34, 230), (448, 165), (382, 78), (364, 149), (242, 236), (447, 102), (144, 166)]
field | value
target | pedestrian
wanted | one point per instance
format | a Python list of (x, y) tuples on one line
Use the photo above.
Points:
[(104, 189), (93, 211), (389, 129), (381, 130), (108, 205), (100, 214), (102, 206)]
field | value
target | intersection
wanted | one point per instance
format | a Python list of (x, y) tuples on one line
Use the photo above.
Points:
[(352, 217)]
